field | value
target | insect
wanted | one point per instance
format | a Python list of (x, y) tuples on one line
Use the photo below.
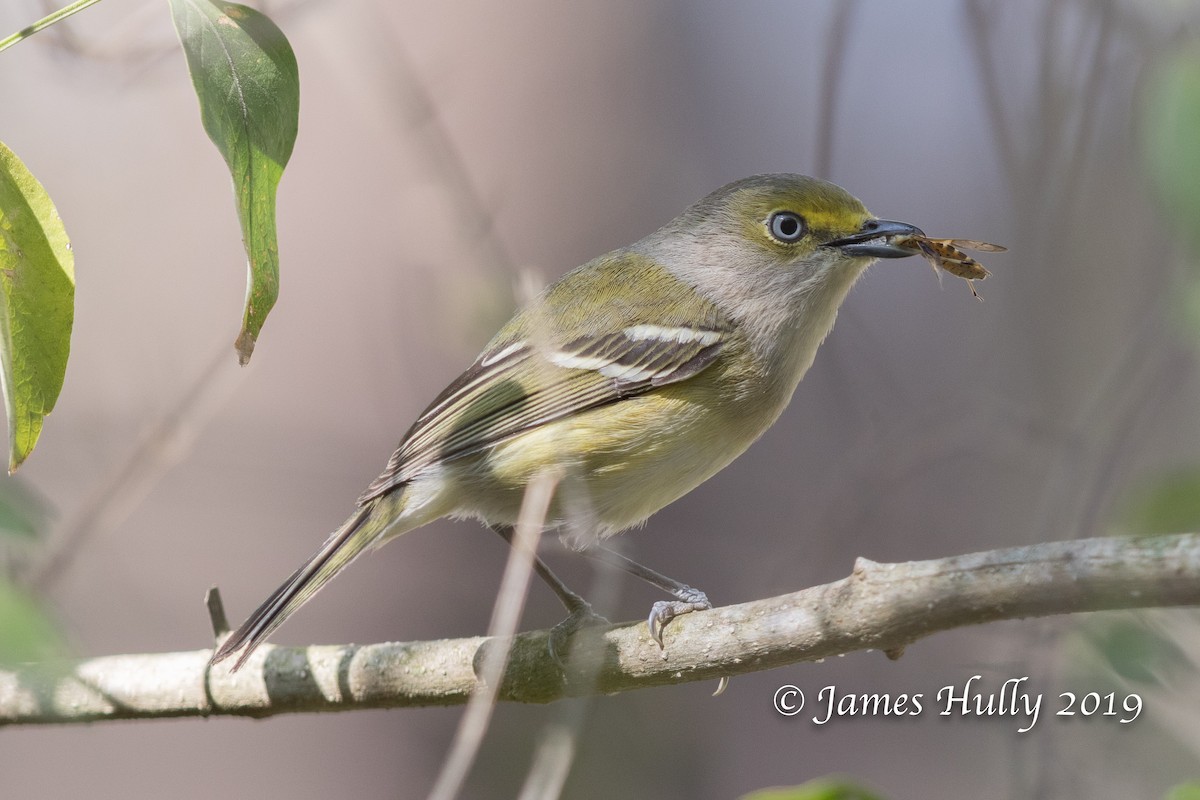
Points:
[(945, 254)]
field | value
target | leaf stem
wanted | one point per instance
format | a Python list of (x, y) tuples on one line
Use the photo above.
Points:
[(45, 22)]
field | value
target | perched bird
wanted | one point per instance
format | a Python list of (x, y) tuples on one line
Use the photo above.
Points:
[(637, 376)]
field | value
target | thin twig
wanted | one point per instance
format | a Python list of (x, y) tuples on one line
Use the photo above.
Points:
[(216, 612), (506, 615), (551, 762), (557, 741), (1089, 105), (45, 22)]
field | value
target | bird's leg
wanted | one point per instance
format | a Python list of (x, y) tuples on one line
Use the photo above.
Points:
[(662, 612), (579, 611), (572, 601)]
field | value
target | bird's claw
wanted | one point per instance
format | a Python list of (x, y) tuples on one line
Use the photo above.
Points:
[(582, 616), (664, 611)]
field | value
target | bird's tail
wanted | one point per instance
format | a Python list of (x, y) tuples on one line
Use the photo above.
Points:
[(362, 530)]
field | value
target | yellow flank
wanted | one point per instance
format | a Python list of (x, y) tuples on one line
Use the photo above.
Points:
[(627, 458)]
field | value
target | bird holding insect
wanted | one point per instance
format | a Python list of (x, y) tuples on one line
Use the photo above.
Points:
[(636, 377)]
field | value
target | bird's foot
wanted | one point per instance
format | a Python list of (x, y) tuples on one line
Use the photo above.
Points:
[(580, 617), (666, 610)]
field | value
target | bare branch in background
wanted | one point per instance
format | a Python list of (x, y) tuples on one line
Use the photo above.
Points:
[(879, 606), (416, 110), (1089, 103), (120, 489), (980, 19), (836, 45)]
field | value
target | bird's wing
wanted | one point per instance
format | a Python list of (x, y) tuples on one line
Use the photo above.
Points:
[(535, 371)]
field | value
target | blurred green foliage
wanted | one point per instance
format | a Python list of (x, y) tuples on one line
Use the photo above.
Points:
[(1171, 145), (27, 630), (836, 788), (27, 633), (1128, 647), (1171, 138), (1169, 504), (1184, 791), (23, 513), (1131, 646)]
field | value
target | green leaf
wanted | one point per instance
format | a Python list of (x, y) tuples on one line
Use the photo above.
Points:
[(246, 78), (1131, 649), (1184, 791), (37, 276), (1171, 504), (819, 789), (27, 633), (1172, 148), (23, 512)]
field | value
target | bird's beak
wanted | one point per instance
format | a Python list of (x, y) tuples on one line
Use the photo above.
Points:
[(874, 240)]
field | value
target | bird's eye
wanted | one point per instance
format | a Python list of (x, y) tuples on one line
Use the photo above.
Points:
[(786, 226)]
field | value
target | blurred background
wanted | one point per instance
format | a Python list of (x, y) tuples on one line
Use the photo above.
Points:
[(446, 152)]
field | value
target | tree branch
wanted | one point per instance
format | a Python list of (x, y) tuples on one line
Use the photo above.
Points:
[(879, 606)]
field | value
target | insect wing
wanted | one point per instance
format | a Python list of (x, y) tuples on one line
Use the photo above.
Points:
[(975, 244)]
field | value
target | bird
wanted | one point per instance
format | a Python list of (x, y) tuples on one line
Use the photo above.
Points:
[(637, 376)]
